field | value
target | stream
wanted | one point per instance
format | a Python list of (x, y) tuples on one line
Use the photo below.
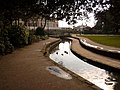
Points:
[(102, 78)]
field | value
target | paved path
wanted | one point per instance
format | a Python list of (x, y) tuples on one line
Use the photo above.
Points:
[(25, 69), (93, 56)]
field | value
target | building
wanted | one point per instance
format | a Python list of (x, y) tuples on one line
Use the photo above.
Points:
[(79, 29), (82, 29), (50, 24), (32, 24)]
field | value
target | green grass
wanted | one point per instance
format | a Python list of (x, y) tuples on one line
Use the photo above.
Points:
[(106, 40)]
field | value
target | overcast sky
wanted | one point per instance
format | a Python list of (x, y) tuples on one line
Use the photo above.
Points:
[(91, 22)]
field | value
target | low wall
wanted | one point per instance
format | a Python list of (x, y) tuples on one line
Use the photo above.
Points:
[(94, 62), (104, 52), (48, 47)]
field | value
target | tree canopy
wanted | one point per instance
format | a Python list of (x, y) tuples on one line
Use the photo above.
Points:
[(110, 17), (71, 10)]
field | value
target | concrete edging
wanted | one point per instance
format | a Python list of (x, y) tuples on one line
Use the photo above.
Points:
[(94, 62), (46, 49), (51, 46), (105, 52)]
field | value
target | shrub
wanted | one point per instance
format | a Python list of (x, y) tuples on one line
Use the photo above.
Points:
[(2, 46), (9, 48), (40, 31), (31, 37), (18, 35), (5, 45)]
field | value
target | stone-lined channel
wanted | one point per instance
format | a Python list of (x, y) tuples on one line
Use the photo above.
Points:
[(104, 79)]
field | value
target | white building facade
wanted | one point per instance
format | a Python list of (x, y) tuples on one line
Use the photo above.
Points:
[(50, 24)]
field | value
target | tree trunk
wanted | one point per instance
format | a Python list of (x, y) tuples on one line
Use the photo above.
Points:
[(43, 26), (33, 23), (15, 22), (18, 22), (116, 29), (25, 23)]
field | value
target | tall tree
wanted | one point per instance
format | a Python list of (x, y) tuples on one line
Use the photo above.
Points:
[(71, 10), (110, 17), (115, 12)]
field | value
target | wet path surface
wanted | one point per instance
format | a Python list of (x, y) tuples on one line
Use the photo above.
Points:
[(104, 79)]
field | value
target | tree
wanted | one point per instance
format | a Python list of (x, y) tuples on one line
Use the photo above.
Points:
[(105, 22), (110, 17), (14, 9), (71, 10), (115, 12)]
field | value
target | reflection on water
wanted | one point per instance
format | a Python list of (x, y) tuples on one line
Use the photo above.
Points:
[(100, 77)]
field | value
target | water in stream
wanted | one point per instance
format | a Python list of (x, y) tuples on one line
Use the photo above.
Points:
[(104, 79)]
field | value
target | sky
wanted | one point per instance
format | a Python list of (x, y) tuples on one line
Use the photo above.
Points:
[(90, 23)]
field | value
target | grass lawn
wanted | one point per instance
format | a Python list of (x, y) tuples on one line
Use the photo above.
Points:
[(106, 40)]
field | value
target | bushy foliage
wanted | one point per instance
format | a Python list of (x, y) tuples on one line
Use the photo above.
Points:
[(40, 31), (5, 45), (32, 37), (18, 35), (2, 46)]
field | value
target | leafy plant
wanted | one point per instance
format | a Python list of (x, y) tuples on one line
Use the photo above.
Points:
[(5, 45), (18, 35), (2, 46), (40, 31)]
